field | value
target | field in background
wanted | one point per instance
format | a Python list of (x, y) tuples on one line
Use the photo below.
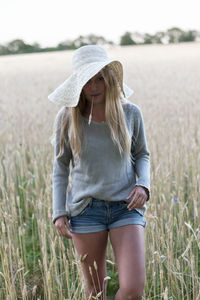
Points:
[(35, 263)]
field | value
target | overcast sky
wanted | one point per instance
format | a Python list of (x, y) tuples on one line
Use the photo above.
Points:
[(52, 21)]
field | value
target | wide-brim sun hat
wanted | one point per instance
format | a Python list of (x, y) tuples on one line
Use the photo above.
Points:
[(87, 61)]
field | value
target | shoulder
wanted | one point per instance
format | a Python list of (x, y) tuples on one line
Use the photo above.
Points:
[(62, 114), (131, 110), (63, 110)]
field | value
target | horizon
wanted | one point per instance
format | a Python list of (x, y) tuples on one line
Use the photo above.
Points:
[(114, 42)]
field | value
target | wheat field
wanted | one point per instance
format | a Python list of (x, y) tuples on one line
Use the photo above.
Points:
[(35, 263)]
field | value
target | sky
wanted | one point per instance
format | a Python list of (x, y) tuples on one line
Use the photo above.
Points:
[(50, 22)]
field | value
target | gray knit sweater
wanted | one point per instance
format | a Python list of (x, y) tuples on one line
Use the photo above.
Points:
[(100, 172)]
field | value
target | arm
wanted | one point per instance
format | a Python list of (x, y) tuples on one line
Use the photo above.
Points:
[(140, 153), (140, 156), (60, 174)]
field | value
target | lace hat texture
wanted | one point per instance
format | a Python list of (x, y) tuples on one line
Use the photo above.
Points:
[(87, 61)]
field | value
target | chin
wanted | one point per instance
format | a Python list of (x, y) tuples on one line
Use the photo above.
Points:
[(99, 98)]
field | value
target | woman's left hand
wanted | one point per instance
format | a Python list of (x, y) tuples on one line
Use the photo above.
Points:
[(140, 196)]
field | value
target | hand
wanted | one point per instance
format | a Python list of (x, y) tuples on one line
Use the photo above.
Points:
[(139, 195), (62, 225)]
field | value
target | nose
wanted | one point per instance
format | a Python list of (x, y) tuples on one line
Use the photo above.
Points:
[(93, 86)]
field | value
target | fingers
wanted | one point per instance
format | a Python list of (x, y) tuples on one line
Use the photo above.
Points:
[(139, 198), (136, 203), (68, 227), (63, 227), (131, 193)]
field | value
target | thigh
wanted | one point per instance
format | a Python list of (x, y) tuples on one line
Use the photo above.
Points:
[(129, 249), (92, 247)]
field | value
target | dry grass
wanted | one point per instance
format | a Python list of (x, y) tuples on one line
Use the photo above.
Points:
[(37, 264)]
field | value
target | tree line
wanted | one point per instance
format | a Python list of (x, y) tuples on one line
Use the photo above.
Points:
[(172, 35)]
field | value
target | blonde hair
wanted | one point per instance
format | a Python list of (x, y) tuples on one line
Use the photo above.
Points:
[(114, 116)]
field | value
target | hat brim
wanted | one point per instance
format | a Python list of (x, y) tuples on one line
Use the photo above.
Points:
[(68, 93)]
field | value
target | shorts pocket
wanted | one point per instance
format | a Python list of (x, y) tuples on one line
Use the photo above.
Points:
[(123, 204), (84, 211)]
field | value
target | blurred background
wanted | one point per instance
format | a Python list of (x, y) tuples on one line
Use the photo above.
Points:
[(32, 26)]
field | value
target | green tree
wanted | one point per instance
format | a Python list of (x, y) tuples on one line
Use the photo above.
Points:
[(3, 50), (90, 39), (94, 39), (36, 47), (188, 36), (159, 36), (174, 34), (126, 39), (66, 45), (18, 46), (148, 38)]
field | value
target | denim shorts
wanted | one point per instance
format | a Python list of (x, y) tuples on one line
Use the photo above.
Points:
[(101, 215)]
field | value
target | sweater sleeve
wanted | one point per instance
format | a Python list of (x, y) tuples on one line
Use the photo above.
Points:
[(140, 153), (60, 174)]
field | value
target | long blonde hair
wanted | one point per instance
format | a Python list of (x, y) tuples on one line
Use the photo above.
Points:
[(114, 116)]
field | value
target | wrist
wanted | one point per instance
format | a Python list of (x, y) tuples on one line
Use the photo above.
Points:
[(146, 190)]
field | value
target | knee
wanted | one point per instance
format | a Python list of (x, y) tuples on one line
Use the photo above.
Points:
[(131, 292)]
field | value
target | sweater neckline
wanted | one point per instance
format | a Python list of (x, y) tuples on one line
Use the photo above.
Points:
[(94, 122)]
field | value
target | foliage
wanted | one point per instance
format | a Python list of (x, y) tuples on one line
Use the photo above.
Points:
[(126, 39), (172, 35)]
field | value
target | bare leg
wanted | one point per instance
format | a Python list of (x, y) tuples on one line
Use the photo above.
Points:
[(93, 247), (128, 245)]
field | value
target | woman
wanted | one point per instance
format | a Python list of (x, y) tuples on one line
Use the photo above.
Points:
[(100, 140)]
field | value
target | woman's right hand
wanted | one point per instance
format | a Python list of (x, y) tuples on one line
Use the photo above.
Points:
[(63, 227)]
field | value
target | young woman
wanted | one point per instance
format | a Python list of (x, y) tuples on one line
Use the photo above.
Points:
[(100, 141)]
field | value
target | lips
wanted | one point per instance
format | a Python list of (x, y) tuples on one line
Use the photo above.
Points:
[(95, 95)]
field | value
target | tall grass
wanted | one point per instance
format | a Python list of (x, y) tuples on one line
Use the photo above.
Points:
[(35, 263)]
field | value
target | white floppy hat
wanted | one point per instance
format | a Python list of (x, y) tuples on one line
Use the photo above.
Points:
[(87, 61)]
